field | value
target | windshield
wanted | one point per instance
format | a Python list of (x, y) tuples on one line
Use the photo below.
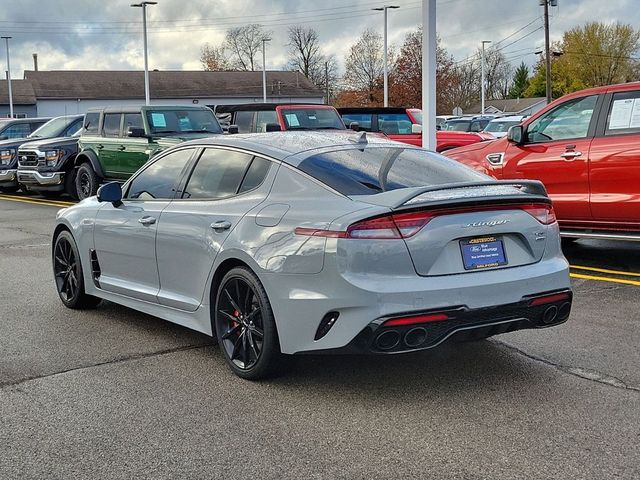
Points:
[(500, 126), (182, 121), (457, 125), (380, 169), (53, 128), (311, 119)]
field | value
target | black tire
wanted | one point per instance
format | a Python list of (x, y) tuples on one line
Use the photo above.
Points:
[(86, 181), (242, 314), (70, 184), (67, 272)]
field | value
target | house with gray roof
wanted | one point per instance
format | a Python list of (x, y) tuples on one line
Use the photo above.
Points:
[(510, 106), (66, 92)]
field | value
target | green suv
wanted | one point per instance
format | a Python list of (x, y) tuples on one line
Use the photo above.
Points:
[(117, 141)]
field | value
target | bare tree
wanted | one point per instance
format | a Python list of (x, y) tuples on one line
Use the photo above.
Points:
[(244, 44), (306, 56), (364, 66), (214, 58), (498, 73)]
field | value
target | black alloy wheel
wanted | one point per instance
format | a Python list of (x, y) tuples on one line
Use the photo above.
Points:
[(67, 272), (245, 327), (86, 182)]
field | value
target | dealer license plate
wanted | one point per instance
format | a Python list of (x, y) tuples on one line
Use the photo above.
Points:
[(482, 252)]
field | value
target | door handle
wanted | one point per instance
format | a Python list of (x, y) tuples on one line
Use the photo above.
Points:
[(147, 220), (570, 155), (121, 147), (99, 146), (221, 225)]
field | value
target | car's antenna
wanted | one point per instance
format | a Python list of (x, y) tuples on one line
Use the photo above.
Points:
[(362, 139)]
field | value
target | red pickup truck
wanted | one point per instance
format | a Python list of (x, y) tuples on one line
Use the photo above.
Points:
[(585, 148), (398, 124)]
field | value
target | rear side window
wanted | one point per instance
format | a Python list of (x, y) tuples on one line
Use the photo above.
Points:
[(624, 113), (91, 122), (111, 126), (244, 121), (255, 174), (364, 120), (217, 174), (380, 169), (394, 123)]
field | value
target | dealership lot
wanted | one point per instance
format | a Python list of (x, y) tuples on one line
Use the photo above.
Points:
[(113, 393)]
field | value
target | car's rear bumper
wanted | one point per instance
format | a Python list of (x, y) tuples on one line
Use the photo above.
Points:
[(462, 323)]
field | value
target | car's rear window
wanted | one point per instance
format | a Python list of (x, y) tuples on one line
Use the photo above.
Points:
[(379, 169)]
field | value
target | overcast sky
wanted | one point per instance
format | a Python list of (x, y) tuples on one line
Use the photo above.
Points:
[(106, 34)]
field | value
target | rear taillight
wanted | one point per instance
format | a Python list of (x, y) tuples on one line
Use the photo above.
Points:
[(406, 225), (402, 225), (543, 213)]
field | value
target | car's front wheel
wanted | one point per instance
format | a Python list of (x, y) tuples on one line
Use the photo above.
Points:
[(245, 326), (67, 272), (86, 181)]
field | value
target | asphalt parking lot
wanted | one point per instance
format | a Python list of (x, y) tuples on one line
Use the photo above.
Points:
[(113, 393)]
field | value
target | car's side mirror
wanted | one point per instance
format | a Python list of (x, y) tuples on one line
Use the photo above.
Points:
[(110, 192), (4, 137), (355, 126), (136, 132), (233, 129), (272, 127), (416, 129), (516, 134), (438, 127)]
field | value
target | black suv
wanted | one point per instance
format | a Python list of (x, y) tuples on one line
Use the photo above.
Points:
[(59, 126)]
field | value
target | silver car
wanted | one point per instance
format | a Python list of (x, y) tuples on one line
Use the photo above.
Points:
[(289, 243)]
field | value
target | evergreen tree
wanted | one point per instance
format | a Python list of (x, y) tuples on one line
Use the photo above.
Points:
[(520, 81)]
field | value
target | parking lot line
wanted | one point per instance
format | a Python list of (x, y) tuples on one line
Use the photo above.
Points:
[(605, 270), (605, 279), (35, 201)]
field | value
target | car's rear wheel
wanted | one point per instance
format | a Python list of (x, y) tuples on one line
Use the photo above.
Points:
[(245, 326), (67, 272), (86, 181)]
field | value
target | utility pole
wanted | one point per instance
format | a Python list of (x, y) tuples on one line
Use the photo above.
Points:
[(386, 66), (429, 74), (264, 70), (547, 48), (326, 80), (143, 5), (9, 78), (482, 78)]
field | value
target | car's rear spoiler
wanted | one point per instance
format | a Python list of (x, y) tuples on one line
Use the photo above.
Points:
[(452, 194)]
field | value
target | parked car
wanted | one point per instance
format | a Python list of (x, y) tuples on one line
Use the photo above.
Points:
[(585, 148), (398, 124), (117, 141), (498, 127), (264, 117), (20, 127), (467, 124), (48, 166), (316, 242), (59, 126)]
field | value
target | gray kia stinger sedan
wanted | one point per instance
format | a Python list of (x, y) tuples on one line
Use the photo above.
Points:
[(305, 242)]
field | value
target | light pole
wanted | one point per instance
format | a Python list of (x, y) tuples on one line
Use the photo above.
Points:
[(429, 74), (482, 78), (143, 5), (386, 67), (264, 70), (546, 3), (6, 39)]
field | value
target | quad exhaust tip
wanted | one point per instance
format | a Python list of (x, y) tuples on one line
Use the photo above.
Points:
[(564, 311), (415, 337), (550, 315), (388, 340)]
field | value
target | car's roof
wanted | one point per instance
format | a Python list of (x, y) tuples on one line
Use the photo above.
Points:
[(260, 107), (281, 145), (508, 118), (139, 108), (372, 110)]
